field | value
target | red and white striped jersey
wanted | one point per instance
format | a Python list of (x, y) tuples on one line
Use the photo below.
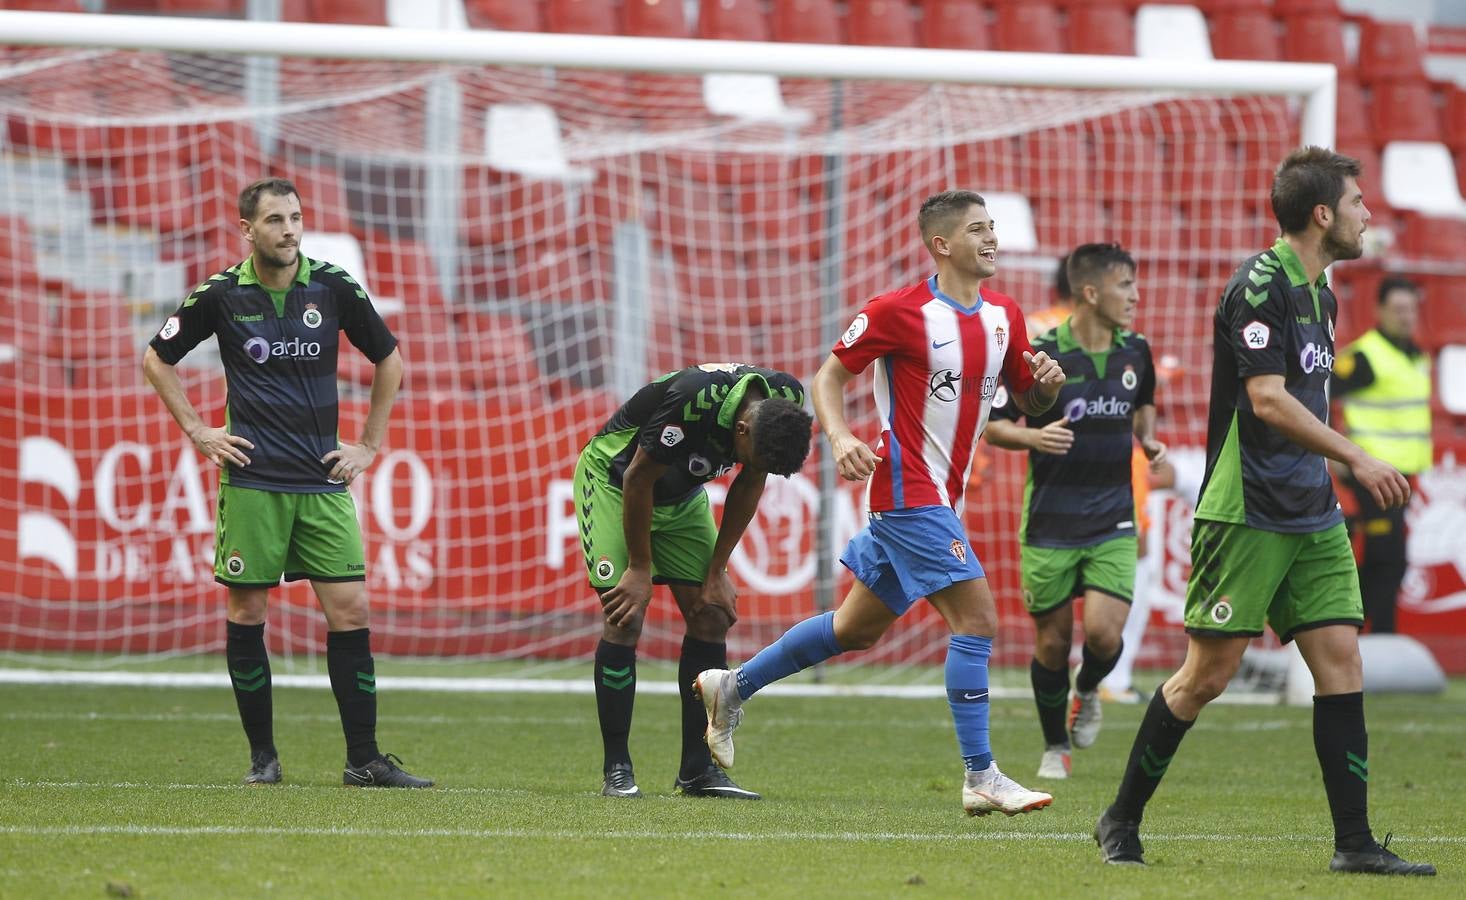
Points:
[(938, 364)]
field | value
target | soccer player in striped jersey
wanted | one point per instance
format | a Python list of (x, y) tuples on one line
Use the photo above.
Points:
[(284, 507), (1078, 534), (940, 349)]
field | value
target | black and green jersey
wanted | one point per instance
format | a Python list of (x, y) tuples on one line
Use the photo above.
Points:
[(1084, 497), (279, 353), (1271, 321), (684, 420)]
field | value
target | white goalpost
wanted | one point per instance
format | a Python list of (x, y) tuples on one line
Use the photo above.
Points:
[(547, 222)]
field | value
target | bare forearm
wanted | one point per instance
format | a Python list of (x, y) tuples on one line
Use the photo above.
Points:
[(828, 393), (164, 379), (385, 383), (739, 508), (1144, 424), (1292, 420), (636, 518), (1010, 435), (1036, 401)]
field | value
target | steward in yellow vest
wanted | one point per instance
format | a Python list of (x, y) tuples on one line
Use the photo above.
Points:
[(1383, 382)]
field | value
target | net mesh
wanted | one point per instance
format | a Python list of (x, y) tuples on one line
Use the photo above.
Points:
[(542, 241)]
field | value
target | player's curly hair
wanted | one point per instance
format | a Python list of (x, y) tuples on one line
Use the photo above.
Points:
[(781, 435)]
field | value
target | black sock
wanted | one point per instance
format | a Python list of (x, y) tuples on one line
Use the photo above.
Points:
[(1093, 669), (1342, 745), (249, 671), (696, 656), (615, 675), (354, 682), (1155, 744), (1051, 696)]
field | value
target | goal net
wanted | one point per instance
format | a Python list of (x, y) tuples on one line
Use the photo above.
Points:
[(542, 240)]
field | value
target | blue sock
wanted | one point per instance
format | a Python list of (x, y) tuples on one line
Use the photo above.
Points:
[(811, 641), (967, 694)]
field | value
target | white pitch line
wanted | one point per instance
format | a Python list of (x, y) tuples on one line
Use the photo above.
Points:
[(681, 836), (452, 684)]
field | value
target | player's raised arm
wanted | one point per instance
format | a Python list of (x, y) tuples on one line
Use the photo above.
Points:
[(1048, 378), (853, 459)]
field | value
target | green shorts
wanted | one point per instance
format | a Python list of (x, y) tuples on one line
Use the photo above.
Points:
[(1052, 576), (1243, 578), (260, 535), (683, 535)]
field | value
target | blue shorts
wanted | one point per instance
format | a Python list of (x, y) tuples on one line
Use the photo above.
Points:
[(907, 554)]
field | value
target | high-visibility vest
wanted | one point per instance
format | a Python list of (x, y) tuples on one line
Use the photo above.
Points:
[(1390, 418)]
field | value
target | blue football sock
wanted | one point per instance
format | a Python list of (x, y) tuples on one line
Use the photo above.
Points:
[(967, 694), (811, 641)]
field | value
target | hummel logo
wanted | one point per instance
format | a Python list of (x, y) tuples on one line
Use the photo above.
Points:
[(937, 346)]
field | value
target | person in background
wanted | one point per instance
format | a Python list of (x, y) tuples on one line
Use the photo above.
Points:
[(1383, 380)]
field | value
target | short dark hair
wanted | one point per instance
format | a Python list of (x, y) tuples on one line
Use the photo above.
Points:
[(249, 198), (1061, 279), (1392, 283), (938, 210), (781, 436), (1307, 177), (1087, 262)]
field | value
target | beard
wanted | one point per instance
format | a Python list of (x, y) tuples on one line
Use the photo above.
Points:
[(279, 258), (1339, 243)]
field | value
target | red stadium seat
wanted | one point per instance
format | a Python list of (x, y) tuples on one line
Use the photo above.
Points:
[(805, 22), (1063, 223), (322, 197), (221, 8), (1102, 29), (1245, 34), (774, 216), (881, 23), (152, 193), (694, 217), (732, 20), (654, 18), (44, 5), (1431, 238), (335, 12), (19, 271), (504, 15), (1145, 226), (1404, 111), (1442, 315), (399, 269), (1351, 119), (1315, 37), (499, 208), (25, 320), (1454, 119), (1033, 27), (497, 353), (429, 341), (1299, 7), (581, 17), (1388, 51), (94, 326), (954, 25)]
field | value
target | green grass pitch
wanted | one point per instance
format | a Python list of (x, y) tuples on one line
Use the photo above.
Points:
[(135, 792)]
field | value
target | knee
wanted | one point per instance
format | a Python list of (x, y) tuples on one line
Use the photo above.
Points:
[(1051, 649), (710, 624), (623, 635), (981, 620), (856, 638), (1104, 643), (1198, 691)]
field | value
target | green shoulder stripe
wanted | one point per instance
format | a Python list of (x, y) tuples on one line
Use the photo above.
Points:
[(204, 286)]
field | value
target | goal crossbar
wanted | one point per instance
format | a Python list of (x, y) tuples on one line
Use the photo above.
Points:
[(1314, 82)]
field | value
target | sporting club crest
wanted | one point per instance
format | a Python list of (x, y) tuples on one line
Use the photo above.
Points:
[(959, 550)]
